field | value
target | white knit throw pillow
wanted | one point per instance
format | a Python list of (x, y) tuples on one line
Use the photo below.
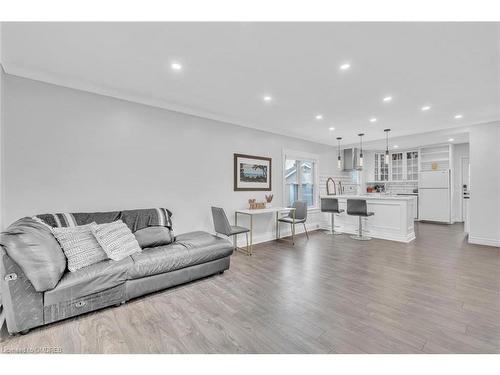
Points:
[(116, 239), (79, 246)]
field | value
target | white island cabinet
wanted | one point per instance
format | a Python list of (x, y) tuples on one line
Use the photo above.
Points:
[(393, 219)]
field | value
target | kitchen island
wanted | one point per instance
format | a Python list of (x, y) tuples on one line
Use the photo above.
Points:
[(393, 219)]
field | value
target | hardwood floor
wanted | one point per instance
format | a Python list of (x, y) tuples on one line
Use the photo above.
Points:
[(326, 295)]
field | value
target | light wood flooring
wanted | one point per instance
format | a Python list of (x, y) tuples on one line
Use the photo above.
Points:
[(326, 295)]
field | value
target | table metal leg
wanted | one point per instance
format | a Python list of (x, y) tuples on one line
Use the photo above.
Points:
[(277, 225), (251, 234), (236, 237), (293, 228)]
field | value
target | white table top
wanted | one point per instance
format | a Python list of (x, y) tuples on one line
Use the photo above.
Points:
[(259, 211), (372, 197)]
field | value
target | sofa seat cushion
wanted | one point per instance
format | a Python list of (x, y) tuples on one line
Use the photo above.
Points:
[(155, 260), (204, 247), (89, 280), (192, 248)]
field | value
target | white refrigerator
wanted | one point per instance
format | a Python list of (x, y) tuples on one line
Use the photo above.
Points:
[(434, 195)]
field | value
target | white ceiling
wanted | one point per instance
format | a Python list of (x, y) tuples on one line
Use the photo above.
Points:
[(229, 67)]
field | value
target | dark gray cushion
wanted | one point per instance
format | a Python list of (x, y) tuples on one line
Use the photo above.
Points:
[(237, 230), (89, 280), (290, 220), (153, 237), (189, 249), (200, 239), (34, 248)]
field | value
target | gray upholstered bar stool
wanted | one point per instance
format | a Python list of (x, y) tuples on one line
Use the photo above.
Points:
[(222, 226), (357, 207), (331, 205)]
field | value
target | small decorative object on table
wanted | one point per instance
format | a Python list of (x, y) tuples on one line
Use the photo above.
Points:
[(269, 199), (253, 205)]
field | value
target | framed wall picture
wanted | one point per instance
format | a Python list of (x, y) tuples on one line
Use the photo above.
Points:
[(252, 173)]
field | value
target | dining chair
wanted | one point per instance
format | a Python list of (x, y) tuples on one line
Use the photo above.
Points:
[(222, 226), (299, 217)]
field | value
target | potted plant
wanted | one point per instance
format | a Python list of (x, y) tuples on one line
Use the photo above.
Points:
[(269, 199)]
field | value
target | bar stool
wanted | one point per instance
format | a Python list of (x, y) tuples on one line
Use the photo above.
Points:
[(331, 205), (357, 207)]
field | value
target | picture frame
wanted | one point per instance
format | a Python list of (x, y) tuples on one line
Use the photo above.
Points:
[(252, 173)]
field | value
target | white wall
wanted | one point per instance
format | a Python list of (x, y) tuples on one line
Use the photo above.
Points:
[(485, 184), (2, 74), (69, 151), (459, 151), (1, 121)]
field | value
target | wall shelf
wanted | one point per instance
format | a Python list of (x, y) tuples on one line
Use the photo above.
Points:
[(439, 155)]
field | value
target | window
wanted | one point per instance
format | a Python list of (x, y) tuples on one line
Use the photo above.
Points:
[(381, 169), (300, 181)]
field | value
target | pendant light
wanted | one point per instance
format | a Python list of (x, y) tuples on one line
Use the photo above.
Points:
[(361, 149), (387, 145), (339, 159)]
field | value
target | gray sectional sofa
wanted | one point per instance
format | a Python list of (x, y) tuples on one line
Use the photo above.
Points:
[(37, 289)]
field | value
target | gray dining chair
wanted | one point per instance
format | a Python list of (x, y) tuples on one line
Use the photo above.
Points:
[(300, 217), (222, 226)]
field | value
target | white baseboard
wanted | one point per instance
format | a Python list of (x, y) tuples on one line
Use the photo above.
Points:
[(484, 241), (271, 236), (375, 234)]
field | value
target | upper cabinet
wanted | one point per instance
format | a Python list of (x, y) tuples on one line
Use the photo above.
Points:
[(403, 166), (397, 166), (381, 172), (411, 165)]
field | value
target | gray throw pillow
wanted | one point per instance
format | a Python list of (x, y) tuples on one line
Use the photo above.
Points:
[(153, 237), (32, 246)]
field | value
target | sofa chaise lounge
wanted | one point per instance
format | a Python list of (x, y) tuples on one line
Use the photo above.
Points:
[(38, 289)]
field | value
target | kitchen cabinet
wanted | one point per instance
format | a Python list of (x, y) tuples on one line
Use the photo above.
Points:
[(381, 172), (397, 163), (403, 166)]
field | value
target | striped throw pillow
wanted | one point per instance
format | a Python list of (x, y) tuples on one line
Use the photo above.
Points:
[(79, 246), (116, 239)]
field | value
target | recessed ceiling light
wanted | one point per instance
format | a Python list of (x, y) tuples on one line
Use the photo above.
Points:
[(395, 146), (176, 66), (345, 66), (458, 117), (387, 99), (373, 119), (319, 117), (451, 140), (331, 128), (426, 107), (267, 98)]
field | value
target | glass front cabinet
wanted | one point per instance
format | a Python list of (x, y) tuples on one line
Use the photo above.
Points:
[(403, 166)]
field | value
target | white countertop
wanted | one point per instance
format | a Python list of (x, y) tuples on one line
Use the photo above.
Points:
[(372, 197)]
